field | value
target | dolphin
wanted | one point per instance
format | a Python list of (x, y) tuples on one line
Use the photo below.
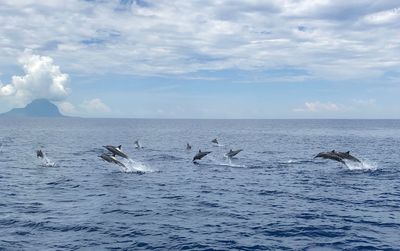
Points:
[(188, 147), (347, 155), (200, 155), (111, 159), (116, 151), (330, 155), (137, 144), (215, 141), (39, 154), (231, 153)]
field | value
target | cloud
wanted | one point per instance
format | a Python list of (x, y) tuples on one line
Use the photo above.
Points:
[(357, 105), (180, 37), (319, 107), (42, 79), (67, 108), (94, 106)]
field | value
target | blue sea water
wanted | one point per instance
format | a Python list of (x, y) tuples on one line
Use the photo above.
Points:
[(273, 196)]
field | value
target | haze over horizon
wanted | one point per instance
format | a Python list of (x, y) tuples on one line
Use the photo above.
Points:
[(203, 59)]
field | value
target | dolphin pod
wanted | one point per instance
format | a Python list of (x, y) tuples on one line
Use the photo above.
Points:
[(337, 156)]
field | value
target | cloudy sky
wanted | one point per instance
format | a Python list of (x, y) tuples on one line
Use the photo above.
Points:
[(203, 59)]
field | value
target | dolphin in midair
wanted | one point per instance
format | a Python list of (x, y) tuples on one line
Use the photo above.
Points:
[(200, 155), (231, 153), (111, 159), (116, 151), (347, 155), (329, 155), (39, 154), (188, 147), (337, 156)]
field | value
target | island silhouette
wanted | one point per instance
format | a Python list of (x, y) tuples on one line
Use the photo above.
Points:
[(37, 108)]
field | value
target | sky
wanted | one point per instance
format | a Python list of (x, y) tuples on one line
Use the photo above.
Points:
[(203, 58)]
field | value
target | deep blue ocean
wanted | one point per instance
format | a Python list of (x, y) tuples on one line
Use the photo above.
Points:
[(273, 196)]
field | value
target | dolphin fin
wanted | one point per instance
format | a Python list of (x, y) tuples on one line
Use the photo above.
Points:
[(119, 147), (348, 152)]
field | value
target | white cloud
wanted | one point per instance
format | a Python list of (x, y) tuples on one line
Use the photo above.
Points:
[(175, 37), (67, 108), (42, 79), (95, 106), (319, 107), (357, 105)]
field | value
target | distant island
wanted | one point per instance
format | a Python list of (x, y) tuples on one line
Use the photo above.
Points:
[(37, 108)]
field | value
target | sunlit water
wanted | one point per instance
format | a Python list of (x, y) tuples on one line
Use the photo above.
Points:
[(273, 196)]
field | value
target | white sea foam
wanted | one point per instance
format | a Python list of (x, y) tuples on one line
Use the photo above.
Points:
[(132, 166), (225, 162), (362, 166), (47, 162)]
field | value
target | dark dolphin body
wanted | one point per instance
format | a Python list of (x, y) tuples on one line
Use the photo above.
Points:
[(347, 155), (116, 151), (329, 155), (188, 147), (39, 154), (111, 159), (231, 153), (200, 155), (337, 156)]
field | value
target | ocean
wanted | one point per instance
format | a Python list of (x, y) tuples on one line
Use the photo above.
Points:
[(272, 196)]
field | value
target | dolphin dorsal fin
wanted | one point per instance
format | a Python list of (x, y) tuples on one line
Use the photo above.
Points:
[(332, 151), (119, 147), (199, 151), (348, 152)]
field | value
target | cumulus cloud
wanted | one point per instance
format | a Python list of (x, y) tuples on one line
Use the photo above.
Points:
[(319, 107), (42, 79), (95, 106)]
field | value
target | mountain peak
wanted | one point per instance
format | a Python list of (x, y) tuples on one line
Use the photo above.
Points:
[(37, 108)]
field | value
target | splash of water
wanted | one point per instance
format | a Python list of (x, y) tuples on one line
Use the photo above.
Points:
[(361, 166), (226, 162), (132, 166), (47, 162)]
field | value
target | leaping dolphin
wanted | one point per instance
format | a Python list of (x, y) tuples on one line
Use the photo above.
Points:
[(329, 155), (347, 155), (215, 141), (337, 156), (231, 153), (116, 150), (111, 159), (39, 154), (188, 147), (200, 155)]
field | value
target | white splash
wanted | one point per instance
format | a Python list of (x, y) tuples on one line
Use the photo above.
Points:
[(47, 162), (225, 162), (361, 166), (132, 166)]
